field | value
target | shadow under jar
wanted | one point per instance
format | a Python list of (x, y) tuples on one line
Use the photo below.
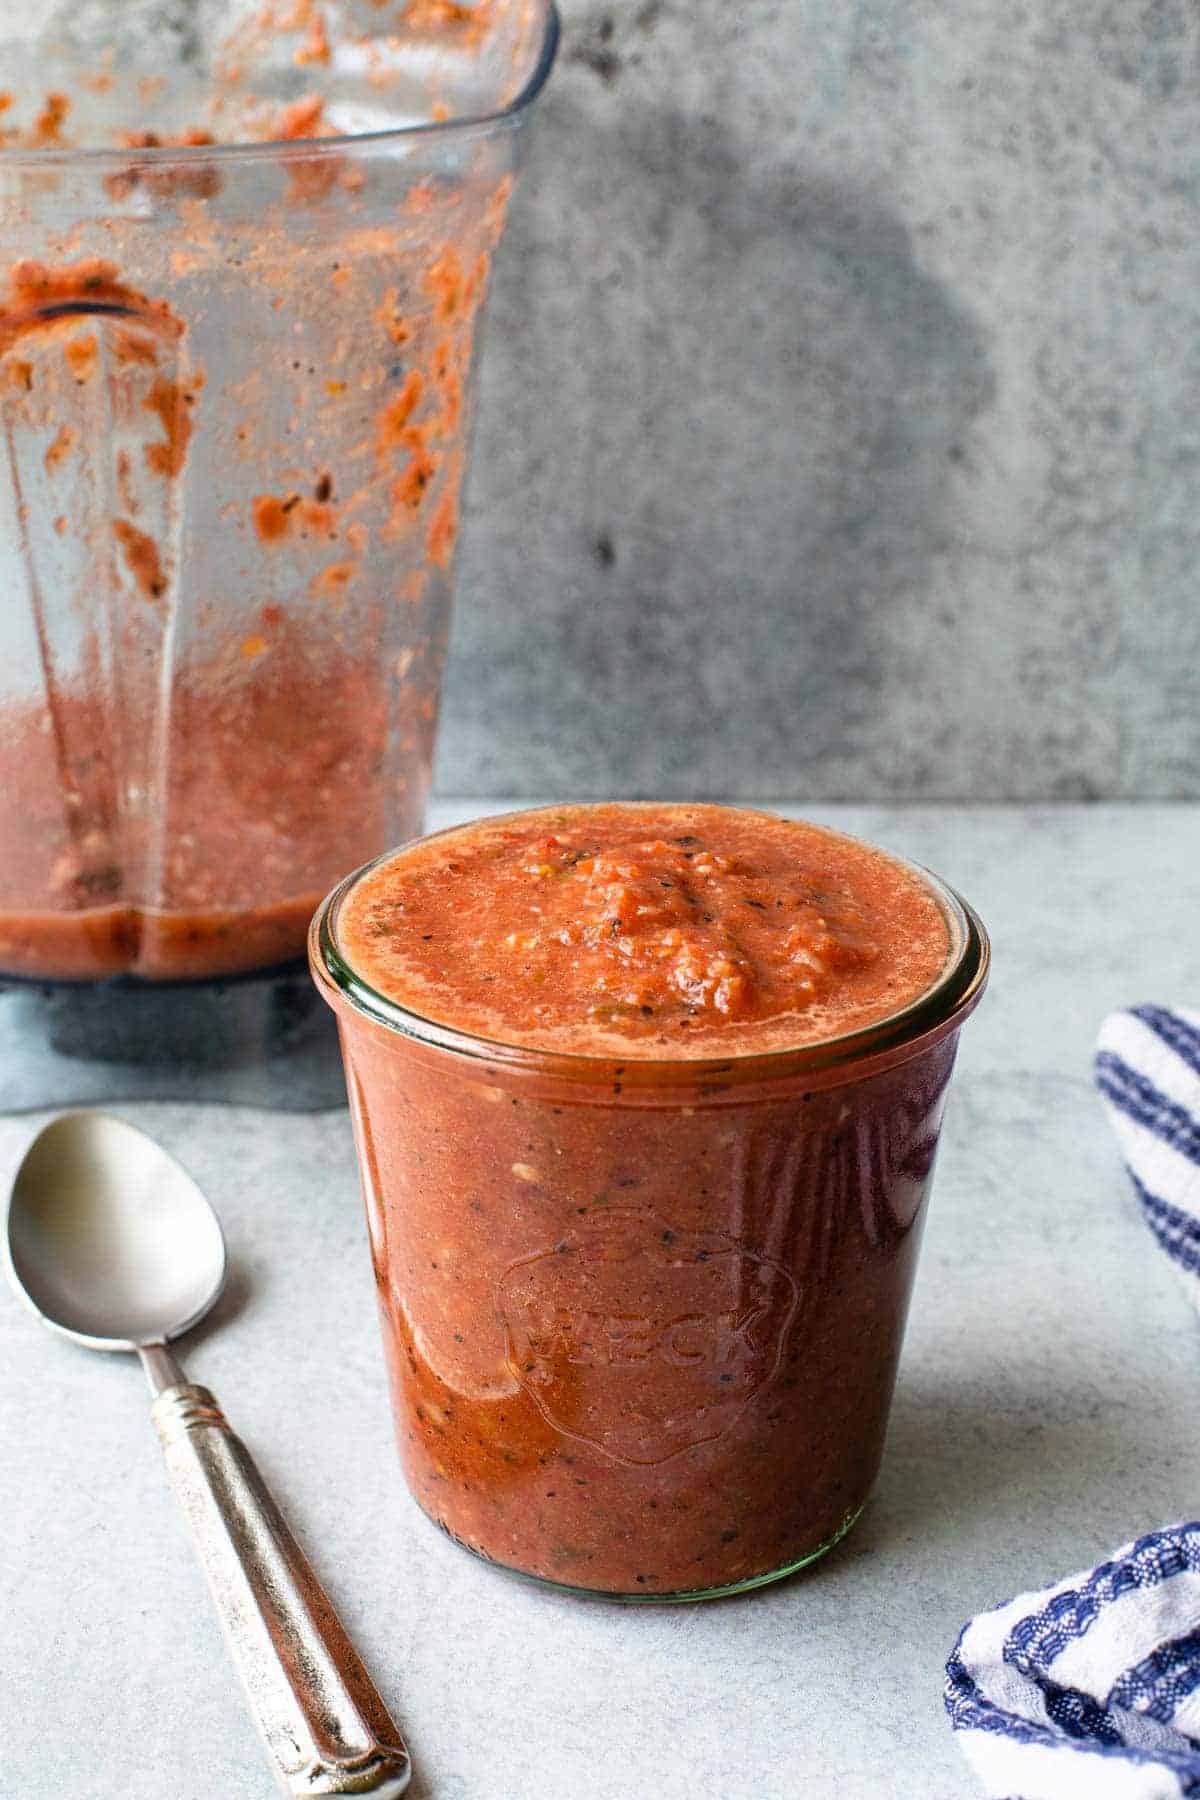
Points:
[(642, 1305)]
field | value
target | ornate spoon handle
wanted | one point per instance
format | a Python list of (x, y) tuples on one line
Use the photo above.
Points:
[(324, 1725)]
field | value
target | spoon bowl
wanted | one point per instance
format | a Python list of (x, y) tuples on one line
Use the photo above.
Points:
[(109, 1240)]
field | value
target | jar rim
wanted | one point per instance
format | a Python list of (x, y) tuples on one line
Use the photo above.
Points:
[(949, 998)]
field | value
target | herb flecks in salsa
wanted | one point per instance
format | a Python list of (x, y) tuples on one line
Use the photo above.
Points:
[(658, 927)]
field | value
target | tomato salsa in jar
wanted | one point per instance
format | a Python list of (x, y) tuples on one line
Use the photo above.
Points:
[(646, 1101)]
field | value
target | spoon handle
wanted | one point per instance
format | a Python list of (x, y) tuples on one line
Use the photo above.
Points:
[(325, 1727)]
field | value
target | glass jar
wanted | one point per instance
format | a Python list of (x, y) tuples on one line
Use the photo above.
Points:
[(642, 1319)]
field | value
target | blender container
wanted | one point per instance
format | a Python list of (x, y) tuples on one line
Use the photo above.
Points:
[(244, 255)]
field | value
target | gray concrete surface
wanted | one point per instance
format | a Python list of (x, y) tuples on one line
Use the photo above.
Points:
[(838, 434), (1046, 1412)]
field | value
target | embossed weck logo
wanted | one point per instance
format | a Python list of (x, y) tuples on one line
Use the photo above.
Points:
[(642, 1340)]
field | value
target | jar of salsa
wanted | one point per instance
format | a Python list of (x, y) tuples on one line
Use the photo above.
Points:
[(646, 1101)]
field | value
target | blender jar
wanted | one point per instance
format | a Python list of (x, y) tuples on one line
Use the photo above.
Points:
[(245, 252)]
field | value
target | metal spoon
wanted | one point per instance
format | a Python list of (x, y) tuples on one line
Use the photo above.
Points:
[(115, 1247)]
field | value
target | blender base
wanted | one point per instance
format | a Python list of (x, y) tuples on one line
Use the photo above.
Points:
[(263, 1039)]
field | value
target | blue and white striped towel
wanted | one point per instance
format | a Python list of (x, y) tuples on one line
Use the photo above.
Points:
[(1090, 1689)]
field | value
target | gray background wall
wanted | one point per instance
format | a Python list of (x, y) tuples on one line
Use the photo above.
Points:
[(838, 432)]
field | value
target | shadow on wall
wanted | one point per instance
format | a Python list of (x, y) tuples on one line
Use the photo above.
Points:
[(720, 404)]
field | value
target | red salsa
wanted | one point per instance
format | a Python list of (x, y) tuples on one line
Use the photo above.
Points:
[(263, 790), (655, 931), (643, 1287)]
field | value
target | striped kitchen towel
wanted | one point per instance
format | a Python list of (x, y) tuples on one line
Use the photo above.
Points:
[(1148, 1069), (1090, 1689)]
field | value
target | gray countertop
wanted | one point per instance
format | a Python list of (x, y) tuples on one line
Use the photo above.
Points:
[(1046, 1411)]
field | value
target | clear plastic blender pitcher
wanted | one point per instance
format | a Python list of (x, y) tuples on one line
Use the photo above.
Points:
[(244, 253)]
